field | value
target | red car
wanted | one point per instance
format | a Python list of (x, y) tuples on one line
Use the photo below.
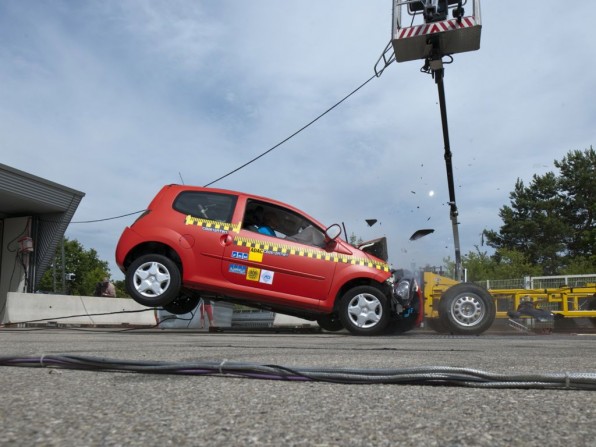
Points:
[(195, 242)]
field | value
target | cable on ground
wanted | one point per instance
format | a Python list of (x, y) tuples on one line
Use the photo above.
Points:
[(433, 376)]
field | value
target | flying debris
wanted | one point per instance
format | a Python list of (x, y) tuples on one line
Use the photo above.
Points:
[(371, 222), (421, 233)]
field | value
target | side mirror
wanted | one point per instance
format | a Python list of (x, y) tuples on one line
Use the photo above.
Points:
[(332, 232)]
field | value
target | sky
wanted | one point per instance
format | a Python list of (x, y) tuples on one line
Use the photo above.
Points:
[(118, 98)]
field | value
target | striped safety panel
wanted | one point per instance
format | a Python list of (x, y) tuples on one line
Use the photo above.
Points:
[(437, 27)]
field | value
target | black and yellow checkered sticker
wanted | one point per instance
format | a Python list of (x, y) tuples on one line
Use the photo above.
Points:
[(281, 249), (212, 224), (288, 250)]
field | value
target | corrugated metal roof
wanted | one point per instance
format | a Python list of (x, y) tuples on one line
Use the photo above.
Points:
[(53, 205)]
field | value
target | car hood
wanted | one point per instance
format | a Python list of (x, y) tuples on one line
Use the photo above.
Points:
[(375, 247)]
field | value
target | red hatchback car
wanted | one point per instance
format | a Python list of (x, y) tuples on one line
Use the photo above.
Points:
[(195, 242)]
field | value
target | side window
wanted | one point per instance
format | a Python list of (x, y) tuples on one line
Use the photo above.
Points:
[(206, 205), (276, 221)]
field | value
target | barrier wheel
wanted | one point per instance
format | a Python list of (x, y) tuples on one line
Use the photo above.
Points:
[(467, 309)]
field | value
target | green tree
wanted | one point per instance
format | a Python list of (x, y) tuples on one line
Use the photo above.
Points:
[(121, 289), (551, 222), (513, 264), (355, 240), (86, 266), (507, 264), (578, 187), (479, 265)]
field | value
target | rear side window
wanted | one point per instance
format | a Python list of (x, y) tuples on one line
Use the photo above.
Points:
[(206, 205)]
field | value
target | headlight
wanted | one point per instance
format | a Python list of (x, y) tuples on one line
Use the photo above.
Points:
[(402, 291)]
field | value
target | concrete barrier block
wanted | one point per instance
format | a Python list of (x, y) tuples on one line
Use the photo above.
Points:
[(74, 309), (282, 320)]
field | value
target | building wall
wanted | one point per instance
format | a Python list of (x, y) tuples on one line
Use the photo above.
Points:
[(12, 271)]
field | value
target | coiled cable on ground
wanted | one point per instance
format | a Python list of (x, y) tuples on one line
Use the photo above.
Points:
[(432, 375)]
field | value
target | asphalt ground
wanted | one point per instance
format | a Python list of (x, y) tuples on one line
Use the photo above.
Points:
[(60, 407)]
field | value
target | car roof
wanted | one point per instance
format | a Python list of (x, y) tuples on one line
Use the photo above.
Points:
[(176, 188)]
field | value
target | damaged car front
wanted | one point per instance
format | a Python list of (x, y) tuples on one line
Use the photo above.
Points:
[(403, 291)]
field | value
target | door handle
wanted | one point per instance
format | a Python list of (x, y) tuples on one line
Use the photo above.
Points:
[(226, 240)]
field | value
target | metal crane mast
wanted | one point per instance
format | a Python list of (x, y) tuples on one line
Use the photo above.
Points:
[(431, 30)]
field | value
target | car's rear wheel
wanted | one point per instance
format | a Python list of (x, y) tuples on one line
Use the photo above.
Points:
[(364, 310), (182, 304), (153, 280), (330, 323)]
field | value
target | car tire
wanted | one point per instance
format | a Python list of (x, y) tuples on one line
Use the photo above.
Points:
[(436, 325), (592, 306), (396, 327), (466, 309), (330, 323), (182, 304), (153, 280), (364, 310), (400, 324)]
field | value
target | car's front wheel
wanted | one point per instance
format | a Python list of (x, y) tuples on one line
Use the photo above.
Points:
[(153, 280), (364, 310)]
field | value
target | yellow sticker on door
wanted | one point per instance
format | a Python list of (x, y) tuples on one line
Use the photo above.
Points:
[(255, 254), (253, 274)]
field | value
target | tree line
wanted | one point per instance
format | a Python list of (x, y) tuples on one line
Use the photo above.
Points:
[(549, 228), (76, 270)]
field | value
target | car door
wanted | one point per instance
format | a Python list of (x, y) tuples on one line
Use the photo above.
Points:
[(291, 268), (207, 217)]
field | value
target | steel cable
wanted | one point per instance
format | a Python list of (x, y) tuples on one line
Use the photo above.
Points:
[(432, 375)]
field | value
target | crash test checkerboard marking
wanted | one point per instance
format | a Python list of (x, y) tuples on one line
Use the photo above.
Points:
[(258, 248), (284, 250), (212, 225)]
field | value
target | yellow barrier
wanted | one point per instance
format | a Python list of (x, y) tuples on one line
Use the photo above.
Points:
[(570, 302)]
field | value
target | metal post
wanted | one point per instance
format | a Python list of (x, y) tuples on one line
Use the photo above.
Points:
[(438, 75), (63, 269)]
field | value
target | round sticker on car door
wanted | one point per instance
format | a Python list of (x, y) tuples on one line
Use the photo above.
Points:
[(266, 277)]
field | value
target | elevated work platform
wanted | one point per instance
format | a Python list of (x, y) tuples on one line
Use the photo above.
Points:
[(417, 33)]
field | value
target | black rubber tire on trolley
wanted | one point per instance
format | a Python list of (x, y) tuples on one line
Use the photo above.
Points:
[(592, 306), (467, 309), (436, 325)]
